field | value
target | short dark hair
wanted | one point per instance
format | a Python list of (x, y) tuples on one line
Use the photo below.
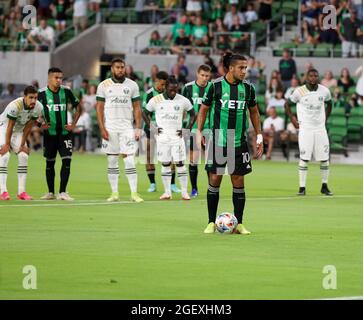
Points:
[(117, 60), (230, 59), (30, 90), (204, 67), (54, 70), (313, 70), (162, 75), (171, 80)]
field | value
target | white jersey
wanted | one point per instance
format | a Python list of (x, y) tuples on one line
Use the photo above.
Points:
[(310, 106), (16, 110), (118, 98), (169, 113)]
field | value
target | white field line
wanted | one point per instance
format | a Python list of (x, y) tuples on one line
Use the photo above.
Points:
[(343, 298), (54, 203)]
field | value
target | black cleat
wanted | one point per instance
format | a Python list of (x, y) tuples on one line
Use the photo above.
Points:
[(301, 191), (325, 190)]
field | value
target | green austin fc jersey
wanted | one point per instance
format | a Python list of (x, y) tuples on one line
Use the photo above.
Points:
[(195, 94), (55, 108), (152, 92), (228, 110)]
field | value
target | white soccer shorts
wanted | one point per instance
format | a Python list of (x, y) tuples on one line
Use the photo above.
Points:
[(120, 143), (14, 142), (314, 142), (171, 151)]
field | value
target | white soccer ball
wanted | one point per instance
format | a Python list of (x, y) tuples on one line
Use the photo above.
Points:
[(226, 222)]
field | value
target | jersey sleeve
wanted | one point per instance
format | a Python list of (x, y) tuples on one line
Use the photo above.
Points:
[(13, 111), (150, 106), (37, 112), (187, 105), (71, 98), (252, 99), (186, 93), (100, 94), (135, 94), (327, 95), (209, 96), (295, 97)]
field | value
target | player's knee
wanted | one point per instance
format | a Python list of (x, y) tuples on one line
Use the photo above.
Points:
[(5, 158), (23, 158), (129, 162), (180, 164), (166, 164), (112, 161)]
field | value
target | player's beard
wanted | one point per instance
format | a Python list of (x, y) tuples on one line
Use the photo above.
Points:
[(119, 78)]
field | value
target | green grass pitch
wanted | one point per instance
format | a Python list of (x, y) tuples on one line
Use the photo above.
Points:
[(89, 249)]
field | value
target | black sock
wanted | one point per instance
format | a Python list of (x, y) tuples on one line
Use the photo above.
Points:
[(212, 200), (151, 175), (239, 200), (50, 174), (172, 176), (193, 174), (65, 172)]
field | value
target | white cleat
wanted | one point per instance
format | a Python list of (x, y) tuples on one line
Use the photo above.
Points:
[(186, 196), (165, 196), (64, 196), (49, 196)]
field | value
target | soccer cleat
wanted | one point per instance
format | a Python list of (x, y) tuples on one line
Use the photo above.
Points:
[(114, 197), (5, 196), (194, 193), (325, 190), (24, 196), (185, 196), (165, 196), (175, 189), (240, 229), (135, 197), (64, 196), (211, 228), (301, 192), (152, 188), (48, 196)]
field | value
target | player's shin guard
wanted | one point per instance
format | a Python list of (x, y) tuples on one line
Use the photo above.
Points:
[(113, 172), (130, 171), (65, 173), (193, 174), (303, 172), (22, 171), (50, 174), (212, 200), (166, 177), (4, 160), (239, 200), (183, 178), (173, 175), (324, 170)]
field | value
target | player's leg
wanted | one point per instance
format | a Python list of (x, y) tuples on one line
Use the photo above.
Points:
[(4, 161), (50, 154), (178, 154), (150, 167), (321, 152), (193, 166), (212, 200), (65, 148), (22, 174), (164, 156), (306, 144), (174, 188)]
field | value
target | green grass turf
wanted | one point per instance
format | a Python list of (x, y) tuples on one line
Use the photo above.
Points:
[(156, 250)]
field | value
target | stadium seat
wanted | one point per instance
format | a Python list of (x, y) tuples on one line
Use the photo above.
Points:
[(322, 50), (304, 50)]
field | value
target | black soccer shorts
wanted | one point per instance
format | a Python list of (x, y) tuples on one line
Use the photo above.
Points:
[(58, 143)]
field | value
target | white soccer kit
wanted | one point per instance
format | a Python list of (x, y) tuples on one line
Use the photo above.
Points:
[(16, 110), (310, 107), (118, 114), (169, 117)]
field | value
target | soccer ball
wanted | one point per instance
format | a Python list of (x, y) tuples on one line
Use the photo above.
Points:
[(226, 222)]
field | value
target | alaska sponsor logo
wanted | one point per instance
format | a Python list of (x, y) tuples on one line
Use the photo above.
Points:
[(118, 100), (57, 107), (169, 117), (233, 104)]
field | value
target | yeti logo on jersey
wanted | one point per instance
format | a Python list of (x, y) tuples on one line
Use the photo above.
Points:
[(233, 104), (57, 107), (197, 100), (126, 91)]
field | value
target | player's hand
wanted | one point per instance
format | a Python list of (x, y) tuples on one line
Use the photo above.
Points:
[(199, 139), (137, 134), (259, 145), (24, 149), (104, 134), (295, 123), (45, 126), (4, 149), (70, 127)]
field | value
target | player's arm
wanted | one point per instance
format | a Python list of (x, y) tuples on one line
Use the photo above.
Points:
[(9, 132), (146, 115), (328, 108), (27, 129), (137, 117), (76, 105), (100, 108), (290, 114), (256, 122), (192, 118)]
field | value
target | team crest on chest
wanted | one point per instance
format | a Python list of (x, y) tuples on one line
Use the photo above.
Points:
[(126, 91), (176, 108)]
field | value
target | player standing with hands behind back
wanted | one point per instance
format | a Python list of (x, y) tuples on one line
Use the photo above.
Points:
[(230, 100)]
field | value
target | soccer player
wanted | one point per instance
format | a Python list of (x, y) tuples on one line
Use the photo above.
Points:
[(118, 106), (313, 107), (169, 108), (195, 91), (58, 131), (16, 123), (230, 99)]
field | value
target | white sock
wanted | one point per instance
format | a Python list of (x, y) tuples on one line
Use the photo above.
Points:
[(303, 172), (130, 171), (166, 177), (4, 160), (22, 171), (324, 170), (113, 172), (183, 178)]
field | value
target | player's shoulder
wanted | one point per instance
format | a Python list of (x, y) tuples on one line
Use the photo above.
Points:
[(15, 104), (128, 81), (189, 84), (181, 97), (106, 83), (158, 98), (323, 88), (301, 90), (150, 91), (218, 80), (42, 90)]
